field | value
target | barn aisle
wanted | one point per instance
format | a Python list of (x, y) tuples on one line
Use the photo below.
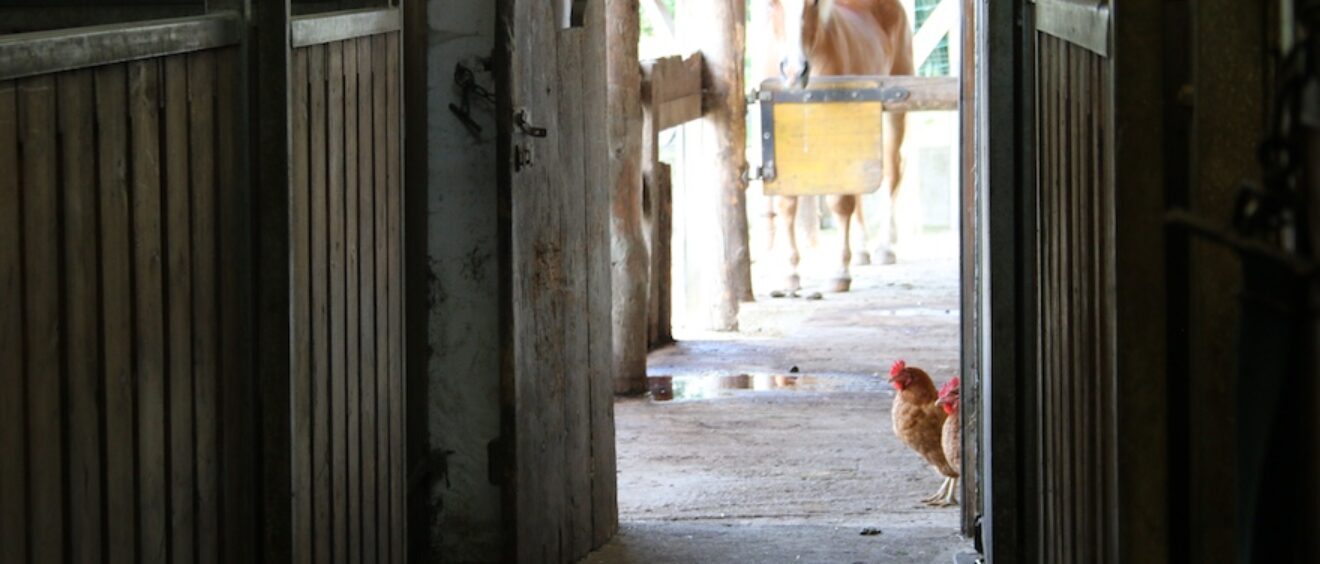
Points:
[(755, 462)]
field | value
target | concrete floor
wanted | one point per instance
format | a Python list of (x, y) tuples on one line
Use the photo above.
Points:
[(753, 462)]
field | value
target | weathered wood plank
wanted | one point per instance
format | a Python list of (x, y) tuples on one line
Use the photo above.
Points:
[(671, 78), (381, 165), (149, 309), (599, 322), (202, 170), (338, 273), (303, 493), (41, 266), (367, 276), (179, 301), (539, 283), (238, 498), (116, 310), (662, 213), (320, 295), (577, 528), (353, 296), (394, 173), (13, 474), (69, 49), (1101, 399), (78, 167), (678, 112)]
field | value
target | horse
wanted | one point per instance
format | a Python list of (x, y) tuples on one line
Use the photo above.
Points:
[(834, 38)]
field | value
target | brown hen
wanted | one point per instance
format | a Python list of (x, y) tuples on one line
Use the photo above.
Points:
[(919, 421)]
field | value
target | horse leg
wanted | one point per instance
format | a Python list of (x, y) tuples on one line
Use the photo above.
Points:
[(843, 208), (786, 207), (863, 256), (895, 127), (770, 224)]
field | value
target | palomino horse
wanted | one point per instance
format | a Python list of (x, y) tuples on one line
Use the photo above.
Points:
[(844, 37)]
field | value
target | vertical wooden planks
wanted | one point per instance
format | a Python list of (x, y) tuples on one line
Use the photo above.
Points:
[(338, 273), (116, 313), (201, 151), (81, 352), (367, 277), (302, 315), (179, 301), (13, 474), (149, 308), (320, 322), (398, 505), (353, 300), (577, 524), (381, 461), (599, 324), (41, 256), (1073, 342)]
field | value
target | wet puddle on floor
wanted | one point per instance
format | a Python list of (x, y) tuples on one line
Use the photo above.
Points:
[(913, 312), (710, 386)]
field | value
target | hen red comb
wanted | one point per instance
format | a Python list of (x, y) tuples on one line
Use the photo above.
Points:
[(949, 386), (899, 366)]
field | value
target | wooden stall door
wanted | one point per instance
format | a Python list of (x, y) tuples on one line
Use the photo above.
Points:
[(1075, 257), (560, 481), (124, 419), (347, 287)]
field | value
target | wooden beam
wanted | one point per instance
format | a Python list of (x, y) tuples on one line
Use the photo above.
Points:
[(629, 256), (716, 29), (899, 93), (272, 158), (28, 54), (338, 26)]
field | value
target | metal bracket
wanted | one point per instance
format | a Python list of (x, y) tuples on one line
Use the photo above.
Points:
[(522, 120)]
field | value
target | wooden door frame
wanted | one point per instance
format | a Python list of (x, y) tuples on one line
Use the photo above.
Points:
[(1004, 238)]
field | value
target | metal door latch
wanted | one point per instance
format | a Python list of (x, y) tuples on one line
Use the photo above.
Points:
[(522, 157), (524, 124)]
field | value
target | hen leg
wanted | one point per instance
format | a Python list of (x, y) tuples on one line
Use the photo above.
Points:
[(939, 494), (950, 496)]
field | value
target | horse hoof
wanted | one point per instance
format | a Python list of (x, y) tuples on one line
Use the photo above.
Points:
[(862, 259), (793, 283), (887, 257), (841, 284)]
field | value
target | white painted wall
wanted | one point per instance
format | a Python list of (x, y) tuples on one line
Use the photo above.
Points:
[(464, 361)]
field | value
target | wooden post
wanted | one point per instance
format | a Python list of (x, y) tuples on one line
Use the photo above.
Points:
[(716, 29), (272, 158), (631, 279)]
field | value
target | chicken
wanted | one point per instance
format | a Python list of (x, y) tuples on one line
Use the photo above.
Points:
[(919, 421), (952, 437)]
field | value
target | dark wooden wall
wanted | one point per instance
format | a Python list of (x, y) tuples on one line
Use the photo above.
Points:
[(348, 299), (120, 362), (1074, 340)]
